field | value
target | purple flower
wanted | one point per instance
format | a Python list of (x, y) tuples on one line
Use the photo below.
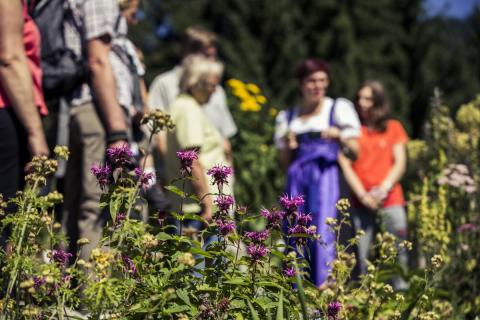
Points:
[(186, 160), (103, 175), (61, 257), (119, 156), (224, 202), (274, 218), (258, 236), (291, 204), (145, 178), (129, 265), (304, 219), (257, 251), (333, 310), (289, 272), (38, 282), (225, 227), (467, 227), (220, 174), (121, 216)]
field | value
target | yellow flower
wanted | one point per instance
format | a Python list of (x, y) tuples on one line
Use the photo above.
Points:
[(242, 94), (273, 112), (235, 83), (186, 259), (149, 240), (261, 99), (250, 106), (253, 88)]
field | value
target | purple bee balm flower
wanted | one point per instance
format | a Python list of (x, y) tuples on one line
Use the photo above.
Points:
[(304, 219), (257, 251), (119, 156), (274, 218), (186, 161), (258, 236), (225, 227), (61, 257), (220, 174), (291, 204), (121, 216), (145, 178), (224, 202), (38, 282), (103, 175), (289, 272), (467, 227), (129, 265), (333, 310)]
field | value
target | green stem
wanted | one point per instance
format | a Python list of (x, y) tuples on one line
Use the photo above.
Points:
[(14, 272)]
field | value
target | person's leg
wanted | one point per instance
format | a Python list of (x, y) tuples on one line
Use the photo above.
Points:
[(395, 222), (92, 140), (11, 163), (364, 219)]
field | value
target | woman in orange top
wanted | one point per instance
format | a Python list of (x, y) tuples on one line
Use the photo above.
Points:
[(374, 177)]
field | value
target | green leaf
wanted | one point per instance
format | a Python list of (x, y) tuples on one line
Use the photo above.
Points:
[(183, 295), (114, 206), (175, 309), (236, 281), (280, 307), (200, 252), (252, 311), (177, 191), (301, 292), (193, 216)]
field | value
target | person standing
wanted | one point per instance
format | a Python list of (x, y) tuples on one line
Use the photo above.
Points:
[(97, 120), (374, 177), (310, 137), (165, 87), (21, 98)]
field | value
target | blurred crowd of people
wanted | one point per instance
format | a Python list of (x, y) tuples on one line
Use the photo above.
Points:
[(321, 141)]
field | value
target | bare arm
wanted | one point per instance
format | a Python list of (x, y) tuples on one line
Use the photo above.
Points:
[(399, 167), (200, 185), (103, 83), (15, 76), (355, 183)]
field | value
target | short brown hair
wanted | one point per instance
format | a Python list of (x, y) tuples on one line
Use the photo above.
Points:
[(197, 39), (310, 66)]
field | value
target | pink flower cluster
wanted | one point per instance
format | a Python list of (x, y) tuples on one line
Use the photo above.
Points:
[(291, 204), (103, 175), (186, 161), (224, 203), (145, 178), (225, 227), (257, 251), (220, 174), (458, 176), (274, 218), (118, 157)]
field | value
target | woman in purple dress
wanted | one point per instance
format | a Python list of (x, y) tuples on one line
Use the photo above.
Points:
[(310, 137)]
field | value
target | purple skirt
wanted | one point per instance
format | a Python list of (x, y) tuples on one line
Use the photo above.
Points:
[(314, 174)]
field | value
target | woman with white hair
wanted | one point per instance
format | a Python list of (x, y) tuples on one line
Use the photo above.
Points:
[(194, 131)]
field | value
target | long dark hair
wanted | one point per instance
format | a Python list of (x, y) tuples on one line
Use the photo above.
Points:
[(380, 112)]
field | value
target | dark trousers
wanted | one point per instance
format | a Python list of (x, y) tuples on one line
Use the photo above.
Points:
[(13, 153)]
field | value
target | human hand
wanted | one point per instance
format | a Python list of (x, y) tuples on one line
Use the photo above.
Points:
[(207, 214), (291, 141), (37, 144), (331, 133), (378, 193), (369, 202)]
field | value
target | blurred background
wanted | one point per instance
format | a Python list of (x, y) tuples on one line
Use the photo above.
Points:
[(412, 46)]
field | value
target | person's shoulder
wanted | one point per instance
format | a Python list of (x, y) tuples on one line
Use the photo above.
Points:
[(167, 76), (342, 102), (394, 124)]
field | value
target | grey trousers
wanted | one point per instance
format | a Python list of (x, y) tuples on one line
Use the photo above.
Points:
[(83, 217), (391, 219)]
